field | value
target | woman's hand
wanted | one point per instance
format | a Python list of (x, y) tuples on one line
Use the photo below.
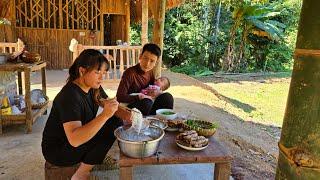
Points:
[(110, 106)]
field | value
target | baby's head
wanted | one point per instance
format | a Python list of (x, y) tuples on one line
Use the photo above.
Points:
[(163, 83)]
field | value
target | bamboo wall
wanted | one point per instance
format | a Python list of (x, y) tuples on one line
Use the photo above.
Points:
[(48, 25), (113, 7), (118, 32), (49, 33), (53, 45)]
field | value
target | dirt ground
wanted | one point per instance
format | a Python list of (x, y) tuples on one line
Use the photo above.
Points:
[(253, 146)]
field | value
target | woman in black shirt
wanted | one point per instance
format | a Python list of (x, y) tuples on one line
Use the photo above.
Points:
[(73, 133)]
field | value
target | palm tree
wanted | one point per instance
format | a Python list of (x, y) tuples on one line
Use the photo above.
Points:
[(251, 20)]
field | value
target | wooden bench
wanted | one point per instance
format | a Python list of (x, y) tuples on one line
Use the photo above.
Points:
[(169, 153), (53, 172)]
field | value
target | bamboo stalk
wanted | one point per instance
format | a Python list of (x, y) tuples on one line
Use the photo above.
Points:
[(299, 155)]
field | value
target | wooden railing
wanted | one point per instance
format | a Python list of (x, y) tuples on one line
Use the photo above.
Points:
[(6, 47), (120, 58)]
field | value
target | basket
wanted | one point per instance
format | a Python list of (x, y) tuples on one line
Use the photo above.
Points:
[(203, 128), (30, 57), (40, 105), (36, 94)]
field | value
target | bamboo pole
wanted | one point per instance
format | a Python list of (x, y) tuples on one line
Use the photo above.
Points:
[(299, 146), (158, 30), (144, 22)]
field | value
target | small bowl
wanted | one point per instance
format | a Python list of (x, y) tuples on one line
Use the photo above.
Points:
[(157, 122), (203, 128), (169, 116)]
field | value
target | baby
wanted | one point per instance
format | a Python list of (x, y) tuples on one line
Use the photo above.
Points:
[(161, 84)]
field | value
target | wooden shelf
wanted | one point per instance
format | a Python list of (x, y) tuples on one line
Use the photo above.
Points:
[(21, 118), (30, 115)]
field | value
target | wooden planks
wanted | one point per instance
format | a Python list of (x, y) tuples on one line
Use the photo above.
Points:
[(170, 153), (53, 44), (114, 6)]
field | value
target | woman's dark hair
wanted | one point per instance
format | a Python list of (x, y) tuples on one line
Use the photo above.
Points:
[(89, 59), (152, 48)]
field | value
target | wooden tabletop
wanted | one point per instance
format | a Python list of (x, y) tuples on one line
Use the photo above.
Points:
[(22, 66), (170, 153)]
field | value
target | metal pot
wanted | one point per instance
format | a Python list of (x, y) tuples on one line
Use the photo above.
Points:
[(140, 149)]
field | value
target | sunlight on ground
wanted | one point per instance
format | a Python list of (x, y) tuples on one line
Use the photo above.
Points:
[(259, 102), (194, 94)]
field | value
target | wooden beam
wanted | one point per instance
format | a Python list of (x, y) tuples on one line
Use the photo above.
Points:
[(144, 22), (127, 35), (158, 30)]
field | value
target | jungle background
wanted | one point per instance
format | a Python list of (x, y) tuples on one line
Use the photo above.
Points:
[(229, 35)]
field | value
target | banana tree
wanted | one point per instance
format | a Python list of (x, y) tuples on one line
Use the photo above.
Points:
[(251, 19)]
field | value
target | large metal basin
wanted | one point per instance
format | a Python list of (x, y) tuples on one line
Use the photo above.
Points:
[(140, 149)]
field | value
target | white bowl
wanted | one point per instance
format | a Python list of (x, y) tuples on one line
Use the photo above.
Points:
[(160, 112)]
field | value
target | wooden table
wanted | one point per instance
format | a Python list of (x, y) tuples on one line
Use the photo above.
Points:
[(170, 153), (30, 115)]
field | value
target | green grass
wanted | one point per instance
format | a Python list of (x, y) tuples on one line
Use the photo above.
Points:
[(259, 102)]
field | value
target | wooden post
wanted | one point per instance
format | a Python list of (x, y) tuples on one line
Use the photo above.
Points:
[(158, 30), (44, 80), (127, 38), (20, 82), (29, 120), (299, 146), (222, 171), (77, 50), (20, 45), (144, 22), (126, 173)]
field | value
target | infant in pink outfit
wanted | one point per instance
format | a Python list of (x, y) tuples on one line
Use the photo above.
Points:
[(161, 84)]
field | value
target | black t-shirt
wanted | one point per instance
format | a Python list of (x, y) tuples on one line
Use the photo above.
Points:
[(70, 104)]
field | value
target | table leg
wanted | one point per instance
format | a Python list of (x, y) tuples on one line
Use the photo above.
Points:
[(222, 171), (43, 79), (0, 124), (126, 173), (28, 102), (44, 83), (20, 82)]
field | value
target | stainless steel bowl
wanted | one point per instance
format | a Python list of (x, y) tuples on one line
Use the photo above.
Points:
[(140, 149), (157, 122)]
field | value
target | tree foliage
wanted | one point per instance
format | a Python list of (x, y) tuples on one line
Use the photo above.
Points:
[(256, 35)]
